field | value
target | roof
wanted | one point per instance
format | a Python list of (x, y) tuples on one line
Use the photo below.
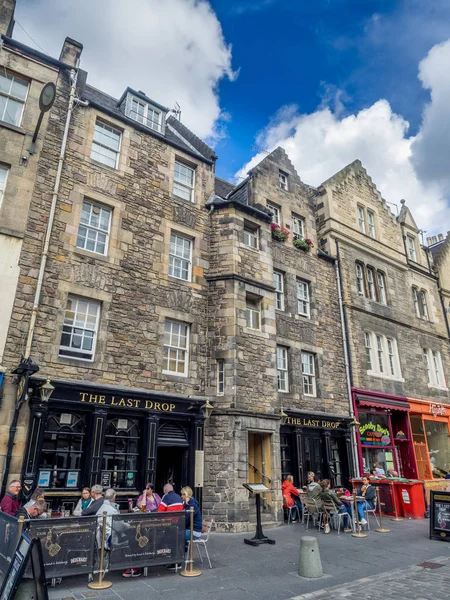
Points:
[(437, 249), (222, 187), (176, 134), (36, 53), (238, 198)]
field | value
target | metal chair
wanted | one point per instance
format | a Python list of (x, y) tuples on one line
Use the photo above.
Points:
[(334, 514), (373, 512), (203, 540), (314, 511), (304, 501), (289, 509)]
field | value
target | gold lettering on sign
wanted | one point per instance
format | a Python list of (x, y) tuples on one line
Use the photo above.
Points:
[(313, 422), (126, 402)]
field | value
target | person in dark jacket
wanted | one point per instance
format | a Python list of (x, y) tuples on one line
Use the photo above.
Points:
[(186, 495), (97, 501), (368, 491), (10, 503), (31, 512), (329, 496)]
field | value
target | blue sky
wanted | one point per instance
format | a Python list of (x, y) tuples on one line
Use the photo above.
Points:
[(329, 80)]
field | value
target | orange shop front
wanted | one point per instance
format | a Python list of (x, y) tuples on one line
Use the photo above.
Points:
[(430, 426)]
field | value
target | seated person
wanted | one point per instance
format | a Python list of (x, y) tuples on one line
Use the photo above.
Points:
[(368, 491), (379, 471), (392, 472), (291, 496), (313, 489), (188, 500), (329, 495), (37, 495), (32, 512), (149, 498)]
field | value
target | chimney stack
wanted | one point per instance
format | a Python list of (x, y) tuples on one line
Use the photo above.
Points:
[(429, 241), (434, 239), (7, 8), (440, 237), (71, 52)]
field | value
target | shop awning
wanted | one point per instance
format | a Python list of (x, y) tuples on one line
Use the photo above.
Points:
[(381, 403)]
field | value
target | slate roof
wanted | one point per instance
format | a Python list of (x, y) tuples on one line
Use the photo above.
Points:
[(222, 187), (436, 250), (176, 134)]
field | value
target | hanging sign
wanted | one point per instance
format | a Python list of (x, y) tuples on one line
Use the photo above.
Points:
[(374, 434)]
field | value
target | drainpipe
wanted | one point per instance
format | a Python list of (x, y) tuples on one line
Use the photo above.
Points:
[(73, 78), (345, 343)]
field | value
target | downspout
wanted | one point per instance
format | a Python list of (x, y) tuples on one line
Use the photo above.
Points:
[(73, 77), (347, 362)]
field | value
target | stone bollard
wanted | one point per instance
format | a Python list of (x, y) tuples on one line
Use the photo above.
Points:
[(309, 563)]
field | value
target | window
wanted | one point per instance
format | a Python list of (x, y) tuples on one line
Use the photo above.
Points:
[(106, 145), (384, 361), (423, 304), (371, 284), (176, 348), (282, 369), (276, 213), (79, 333), (416, 301), (251, 237), (361, 219), (278, 284), (371, 223), (298, 227), (94, 228), (412, 248), (368, 346), (283, 180), (220, 377), (180, 257), (183, 181), (381, 287), (252, 313), (3, 177), (309, 374), (420, 303), (13, 94), (433, 365), (360, 280), (121, 452), (140, 111), (303, 303), (63, 449)]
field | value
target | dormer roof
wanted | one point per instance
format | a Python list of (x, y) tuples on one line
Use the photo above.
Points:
[(406, 219), (143, 97)]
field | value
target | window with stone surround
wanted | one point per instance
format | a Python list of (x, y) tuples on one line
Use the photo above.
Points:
[(251, 236), (420, 303), (360, 279), (434, 369), (4, 170), (298, 227), (381, 280), (79, 333), (381, 355), (278, 284), (361, 219), (106, 145), (253, 312), (282, 369), (309, 374), (183, 181), (180, 257), (142, 112), (94, 227), (370, 283), (13, 95), (283, 180), (276, 213), (371, 223), (303, 300), (220, 372), (176, 348), (411, 244)]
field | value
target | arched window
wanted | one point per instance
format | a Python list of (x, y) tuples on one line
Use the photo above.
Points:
[(121, 452), (62, 451), (360, 279)]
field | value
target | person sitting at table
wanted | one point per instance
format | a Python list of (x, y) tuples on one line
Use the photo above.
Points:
[(313, 489), (149, 498), (188, 501), (83, 502), (392, 472), (37, 495), (368, 491), (291, 496), (97, 501), (32, 512), (379, 471), (328, 495)]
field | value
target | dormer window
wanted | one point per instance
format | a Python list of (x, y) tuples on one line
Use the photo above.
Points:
[(142, 112)]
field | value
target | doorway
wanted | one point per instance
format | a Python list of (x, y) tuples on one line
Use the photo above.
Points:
[(171, 467), (313, 453)]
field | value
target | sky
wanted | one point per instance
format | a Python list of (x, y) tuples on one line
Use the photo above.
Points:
[(328, 80)]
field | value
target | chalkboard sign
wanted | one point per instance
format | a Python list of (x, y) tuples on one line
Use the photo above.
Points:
[(440, 516), (16, 568), (9, 531)]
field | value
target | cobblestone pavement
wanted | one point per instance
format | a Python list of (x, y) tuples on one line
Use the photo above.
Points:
[(379, 566)]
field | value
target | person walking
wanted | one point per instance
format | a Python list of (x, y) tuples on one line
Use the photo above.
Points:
[(10, 503), (83, 502)]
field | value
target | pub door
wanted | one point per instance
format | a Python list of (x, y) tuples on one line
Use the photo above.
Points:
[(172, 461), (313, 452)]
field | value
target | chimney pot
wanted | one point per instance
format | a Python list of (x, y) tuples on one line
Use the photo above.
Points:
[(433, 239), (429, 241), (7, 8), (70, 52), (440, 237)]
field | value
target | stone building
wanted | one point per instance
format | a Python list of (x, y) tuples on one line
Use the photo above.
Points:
[(398, 337)]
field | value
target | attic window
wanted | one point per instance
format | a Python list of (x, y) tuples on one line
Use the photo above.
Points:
[(144, 113), (283, 180)]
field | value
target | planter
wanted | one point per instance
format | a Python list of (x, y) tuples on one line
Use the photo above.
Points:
[(303, 244), (280, 234)]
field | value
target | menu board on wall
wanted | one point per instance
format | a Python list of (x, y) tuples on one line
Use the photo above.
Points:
[(440, 516)]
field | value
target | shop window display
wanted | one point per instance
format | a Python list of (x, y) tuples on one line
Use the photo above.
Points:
[(437, 437), (376, 443)]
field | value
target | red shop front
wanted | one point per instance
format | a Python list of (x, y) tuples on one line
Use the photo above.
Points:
[(384, 433)]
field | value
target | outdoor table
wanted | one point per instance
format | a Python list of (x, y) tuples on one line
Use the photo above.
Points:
[(350, 500)]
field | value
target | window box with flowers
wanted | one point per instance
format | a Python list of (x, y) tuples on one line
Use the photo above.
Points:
[(304, 244), (280, 234)]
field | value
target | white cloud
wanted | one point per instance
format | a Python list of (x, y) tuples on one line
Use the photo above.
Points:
[(415, 168), (173, 50)]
